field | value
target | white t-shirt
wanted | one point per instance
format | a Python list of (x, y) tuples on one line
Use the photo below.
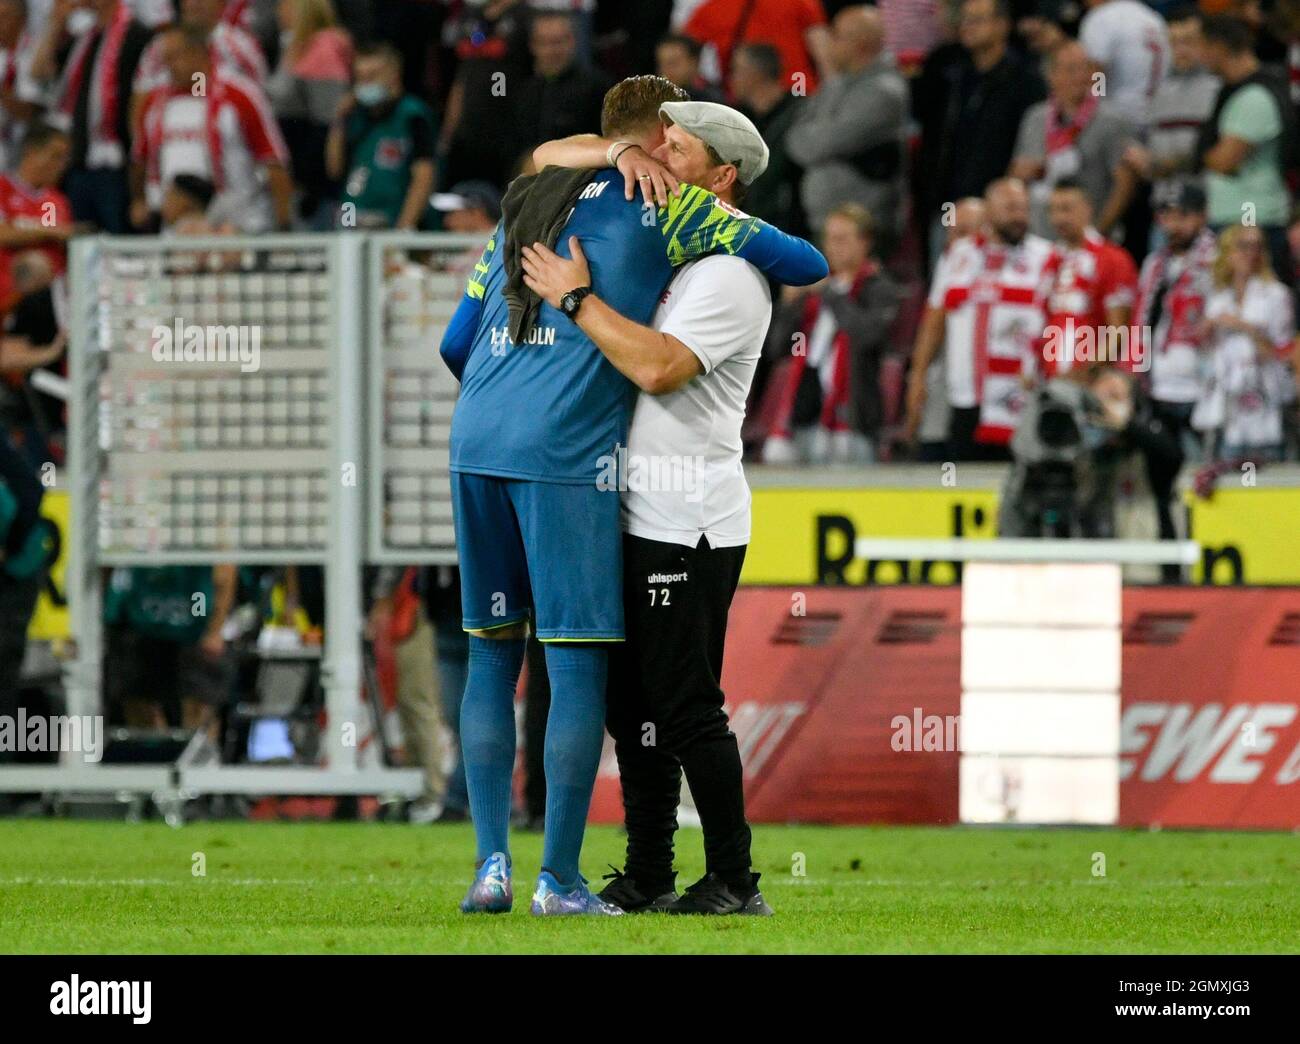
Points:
[(1131, 44), (683, 472), (1254, 390)]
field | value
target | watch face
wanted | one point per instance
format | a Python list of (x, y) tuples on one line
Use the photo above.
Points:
[(568, 303)]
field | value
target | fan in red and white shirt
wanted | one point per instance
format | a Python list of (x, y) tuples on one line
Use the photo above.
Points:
[(234, 49), (225, 134), (985, 309), (91, 88), (238, 13), (1088, 290), (1173, 290), (34, 214)]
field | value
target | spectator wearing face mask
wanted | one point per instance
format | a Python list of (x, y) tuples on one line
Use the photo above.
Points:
[(311, 79), (381, 144)]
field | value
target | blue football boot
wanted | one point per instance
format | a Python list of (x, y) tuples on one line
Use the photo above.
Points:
[(550, 900), (490, 892)]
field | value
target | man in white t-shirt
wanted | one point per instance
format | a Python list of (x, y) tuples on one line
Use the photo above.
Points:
[(1130, 43), (686, 520)]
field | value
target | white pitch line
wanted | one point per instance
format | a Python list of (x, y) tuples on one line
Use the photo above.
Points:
[(153, 882)]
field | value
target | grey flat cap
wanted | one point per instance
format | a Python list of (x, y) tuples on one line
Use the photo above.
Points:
[(730, 133)]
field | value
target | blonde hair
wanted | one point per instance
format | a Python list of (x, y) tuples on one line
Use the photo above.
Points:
[(309, 18), (1228, 243), (858, 215), (631, 106)]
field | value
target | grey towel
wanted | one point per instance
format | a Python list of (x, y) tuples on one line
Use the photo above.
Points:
[(535, 209)]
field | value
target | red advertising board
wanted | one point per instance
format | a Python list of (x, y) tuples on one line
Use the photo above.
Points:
[(1211, 696), (845, 703), (812, 698)]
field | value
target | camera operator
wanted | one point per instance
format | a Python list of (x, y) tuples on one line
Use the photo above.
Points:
[(1082, 437)]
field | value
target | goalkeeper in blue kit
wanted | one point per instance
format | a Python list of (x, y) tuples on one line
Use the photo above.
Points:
[(540, 418)]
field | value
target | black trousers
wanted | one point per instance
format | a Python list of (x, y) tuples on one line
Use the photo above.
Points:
[(17, 603), (537, 707), (1177, 417), (962, 422), (664, 708)]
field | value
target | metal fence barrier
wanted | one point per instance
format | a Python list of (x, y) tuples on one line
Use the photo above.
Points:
[(270, 400)]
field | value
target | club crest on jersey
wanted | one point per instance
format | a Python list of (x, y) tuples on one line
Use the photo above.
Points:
[(390, 153), (543, 335)]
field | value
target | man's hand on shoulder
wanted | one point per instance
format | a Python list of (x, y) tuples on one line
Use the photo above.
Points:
[(550, 276), (642, 171)]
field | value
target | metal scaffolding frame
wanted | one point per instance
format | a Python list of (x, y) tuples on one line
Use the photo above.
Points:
[(359, 355)]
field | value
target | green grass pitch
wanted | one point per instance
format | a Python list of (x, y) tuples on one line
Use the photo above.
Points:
[(93, 887)]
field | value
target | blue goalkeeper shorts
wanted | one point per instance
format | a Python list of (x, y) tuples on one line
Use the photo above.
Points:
[(543, 550)]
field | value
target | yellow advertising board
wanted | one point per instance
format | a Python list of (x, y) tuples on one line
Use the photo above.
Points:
[(806, 535), (803, 536), (50, 621), (1248, 536)]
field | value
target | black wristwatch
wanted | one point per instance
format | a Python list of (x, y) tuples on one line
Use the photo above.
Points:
[(572, 301)]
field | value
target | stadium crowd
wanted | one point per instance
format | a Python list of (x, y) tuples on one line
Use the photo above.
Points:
[(1061, 143), (1007, 193)]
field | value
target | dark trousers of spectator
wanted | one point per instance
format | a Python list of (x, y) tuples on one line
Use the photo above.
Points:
[(1137, 222), (100, 195), (1177, 417), (412, 27), (1279, 253), (17, 603), (537, 706), (664, 709), (962, 422)]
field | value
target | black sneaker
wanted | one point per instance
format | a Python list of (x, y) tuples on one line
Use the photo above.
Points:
[(712, 895), (622, 891)]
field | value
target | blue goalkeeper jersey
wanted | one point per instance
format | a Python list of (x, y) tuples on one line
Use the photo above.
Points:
[(554, 409)]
